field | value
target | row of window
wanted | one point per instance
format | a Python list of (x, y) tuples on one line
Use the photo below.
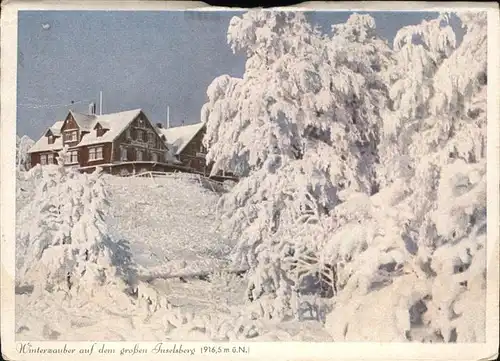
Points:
[(95, 153), (72, 136), (47, 159), (140, 135), (139, 155), (143, 136), (68, 137)]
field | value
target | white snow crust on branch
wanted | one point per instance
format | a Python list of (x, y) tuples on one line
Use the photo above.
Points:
[(437, 204), (23, 145), (361, 159), (66, 245), (300, 126)]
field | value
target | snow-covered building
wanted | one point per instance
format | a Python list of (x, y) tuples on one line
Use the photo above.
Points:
[(121, 143), (186, 145)]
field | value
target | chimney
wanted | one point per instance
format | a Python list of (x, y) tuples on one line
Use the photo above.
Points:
[(168, 117), (159, 125), (92, 108), (100, 103)]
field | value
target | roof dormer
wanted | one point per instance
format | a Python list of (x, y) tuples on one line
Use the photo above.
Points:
[(100, 129), (50, 136)]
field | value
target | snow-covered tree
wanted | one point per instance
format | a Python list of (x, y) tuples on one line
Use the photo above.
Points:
[(67, 245), (380, 197), (299, 127), (419, 50), (23, 144), (427, 226)]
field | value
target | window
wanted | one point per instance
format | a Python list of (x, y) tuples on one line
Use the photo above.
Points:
[(43, 159), (123, 153), (95, 153), (51, 139), (154, 157), (152, 140), (72, 157), (51, 158), (127, 133), (140, 123), (100, 132), (139, 154), (140, 135), (71, 136)]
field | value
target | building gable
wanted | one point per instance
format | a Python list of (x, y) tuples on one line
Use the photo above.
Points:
[(141, 130), (70, 131), (113, 123), (139, 141), (195, 144), (178, 138), (69, 123)]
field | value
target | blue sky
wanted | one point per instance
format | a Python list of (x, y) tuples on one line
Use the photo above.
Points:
[(145, 59)]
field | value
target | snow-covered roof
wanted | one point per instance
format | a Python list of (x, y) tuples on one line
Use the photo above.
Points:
[(84, 121), (42, 144), (179, 137), (115, 122), (56, 128)]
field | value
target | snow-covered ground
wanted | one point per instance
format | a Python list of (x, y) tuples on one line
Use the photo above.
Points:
[(169, 225)]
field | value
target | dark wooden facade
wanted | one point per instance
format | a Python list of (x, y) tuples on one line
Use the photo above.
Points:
[(34, 159), (193, 157), (141, 142), (70, 127), (194, 154), (83, 154)]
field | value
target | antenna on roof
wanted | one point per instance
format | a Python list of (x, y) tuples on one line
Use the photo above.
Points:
[(100, 102), (168, 117)]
